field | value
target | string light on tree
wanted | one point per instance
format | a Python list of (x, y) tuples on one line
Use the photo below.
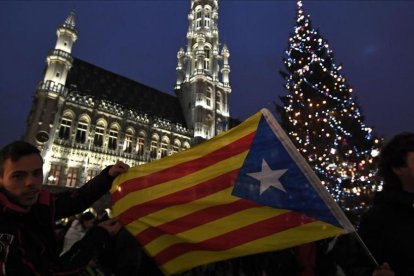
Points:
[(325, 121)]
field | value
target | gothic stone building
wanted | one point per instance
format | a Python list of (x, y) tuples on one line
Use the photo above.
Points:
[(84, 118)]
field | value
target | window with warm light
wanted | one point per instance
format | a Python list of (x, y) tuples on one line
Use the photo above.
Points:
[(54, 174), (72, 177), (91, 174)]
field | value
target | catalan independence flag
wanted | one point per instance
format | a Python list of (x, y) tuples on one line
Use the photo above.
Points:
[(243, 192)]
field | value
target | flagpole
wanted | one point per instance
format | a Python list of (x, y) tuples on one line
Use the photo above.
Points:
[(364, 246)]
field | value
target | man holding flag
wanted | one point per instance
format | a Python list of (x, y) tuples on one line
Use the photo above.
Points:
[(28, 243)]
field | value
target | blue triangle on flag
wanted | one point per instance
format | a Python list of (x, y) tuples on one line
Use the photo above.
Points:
[(292, 190)]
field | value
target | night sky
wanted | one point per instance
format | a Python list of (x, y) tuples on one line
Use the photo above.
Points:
[(373, 40)]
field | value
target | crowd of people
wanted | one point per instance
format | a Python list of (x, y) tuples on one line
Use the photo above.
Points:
[(90, 246)]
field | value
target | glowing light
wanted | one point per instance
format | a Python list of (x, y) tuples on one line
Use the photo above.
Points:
[(375, 152)]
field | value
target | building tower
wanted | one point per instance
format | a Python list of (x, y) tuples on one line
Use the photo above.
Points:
[(84, 118), (51, 91), (203, 70)]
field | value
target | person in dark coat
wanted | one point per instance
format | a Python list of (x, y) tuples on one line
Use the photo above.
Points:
[(122, 256), (388, 227), (28, 213)]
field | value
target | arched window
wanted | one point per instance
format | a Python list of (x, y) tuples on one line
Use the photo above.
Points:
[(154, 146), (65, 125), (140, 142), (99, 133), (198, 17), (207, 18), (164, 146), (128, 140), (186, 145), (81, 131), (176, 146), (113, 137)]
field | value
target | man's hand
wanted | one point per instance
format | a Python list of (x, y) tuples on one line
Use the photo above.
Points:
[(111, 225), (117, 169), (383, 270)]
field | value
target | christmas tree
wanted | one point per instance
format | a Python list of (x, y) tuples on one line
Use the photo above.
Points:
[(324, 120)]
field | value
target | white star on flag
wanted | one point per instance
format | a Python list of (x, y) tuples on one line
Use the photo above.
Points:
[(268, 177)]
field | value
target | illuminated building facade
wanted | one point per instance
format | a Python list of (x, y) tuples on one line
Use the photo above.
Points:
[(84, 118)]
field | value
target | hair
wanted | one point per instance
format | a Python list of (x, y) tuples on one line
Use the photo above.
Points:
[(16, 150), (86, 216), (394, 155)]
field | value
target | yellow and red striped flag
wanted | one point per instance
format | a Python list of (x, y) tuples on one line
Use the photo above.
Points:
[(243, 192)]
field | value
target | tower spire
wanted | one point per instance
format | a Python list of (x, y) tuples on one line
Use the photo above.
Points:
[(70, 21), (59, 60), (204, 2), (50, 92), (203, 89)]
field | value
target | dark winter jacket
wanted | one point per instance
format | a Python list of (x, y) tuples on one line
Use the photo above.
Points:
[(388, 231), (123, 255), (27, 239)]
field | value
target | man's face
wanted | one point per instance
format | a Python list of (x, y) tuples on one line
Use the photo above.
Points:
[(23, 179), (406, 174)]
